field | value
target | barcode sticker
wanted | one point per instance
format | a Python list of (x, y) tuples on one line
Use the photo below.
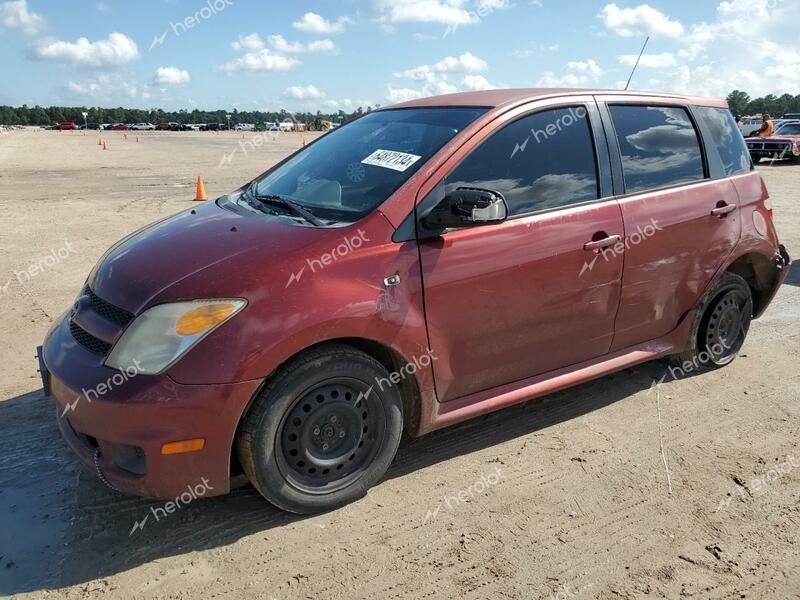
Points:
[(391, 159)]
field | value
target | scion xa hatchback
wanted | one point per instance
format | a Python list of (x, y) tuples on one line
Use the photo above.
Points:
[(424, 264)]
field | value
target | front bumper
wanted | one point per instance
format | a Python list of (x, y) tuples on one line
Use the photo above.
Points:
[(116, 422)]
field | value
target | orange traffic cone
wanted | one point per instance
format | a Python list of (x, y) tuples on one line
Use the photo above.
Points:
[(201, 189), (304, 142), (137, 139), (104, 145), (99, 141), (125, 136)]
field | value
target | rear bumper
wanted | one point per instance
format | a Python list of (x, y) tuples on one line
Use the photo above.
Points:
[(117, 424), (781, 262)]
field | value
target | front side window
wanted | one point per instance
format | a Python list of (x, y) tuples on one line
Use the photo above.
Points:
[(353, 169), (659, 146), (542, 161), (728, 140)]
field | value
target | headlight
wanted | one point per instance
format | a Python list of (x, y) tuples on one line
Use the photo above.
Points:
[(162, 334)]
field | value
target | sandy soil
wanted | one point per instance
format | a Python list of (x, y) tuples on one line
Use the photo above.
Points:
[(565, 497)]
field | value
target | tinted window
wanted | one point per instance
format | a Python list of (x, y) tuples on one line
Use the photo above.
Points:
[(728, 140), (541, 161), (354, 168), (659, 146), (789, 129)]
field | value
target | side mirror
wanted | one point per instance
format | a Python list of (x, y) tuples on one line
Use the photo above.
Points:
[(467, 207)]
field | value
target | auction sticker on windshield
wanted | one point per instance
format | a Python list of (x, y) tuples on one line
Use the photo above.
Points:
[(391, 159)]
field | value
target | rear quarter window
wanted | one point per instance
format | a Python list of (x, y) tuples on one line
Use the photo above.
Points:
[(659, 146), (727, 139)]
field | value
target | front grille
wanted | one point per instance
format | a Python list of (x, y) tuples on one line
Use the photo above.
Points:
[(87, 340), (107, 310), (770, 146)]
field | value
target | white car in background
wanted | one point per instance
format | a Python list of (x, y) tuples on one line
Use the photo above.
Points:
[(286, 125), (143, 127), (244, 127)]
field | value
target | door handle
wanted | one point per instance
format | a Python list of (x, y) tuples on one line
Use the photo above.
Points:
[(723, 210), (602, 243)]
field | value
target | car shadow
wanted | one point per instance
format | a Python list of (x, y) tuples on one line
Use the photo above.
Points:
[(63, 527)]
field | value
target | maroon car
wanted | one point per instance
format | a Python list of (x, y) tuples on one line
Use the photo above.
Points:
[(785, 144), (120, 127), (422, 265)]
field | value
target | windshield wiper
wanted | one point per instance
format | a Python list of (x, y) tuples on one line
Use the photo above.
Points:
[(294, 207)]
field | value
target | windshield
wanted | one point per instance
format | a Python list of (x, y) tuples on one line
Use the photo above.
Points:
[(789, 129), (353, 169)]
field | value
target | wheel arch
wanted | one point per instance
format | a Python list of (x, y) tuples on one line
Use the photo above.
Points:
[(760, 274), (389, 357)]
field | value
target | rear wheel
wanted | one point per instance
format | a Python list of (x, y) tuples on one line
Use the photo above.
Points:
[(721, 325), (323, 431)]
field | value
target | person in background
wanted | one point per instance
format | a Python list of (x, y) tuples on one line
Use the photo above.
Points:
[(740, 124), (767, 128)]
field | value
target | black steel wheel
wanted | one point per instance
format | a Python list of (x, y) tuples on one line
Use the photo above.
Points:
[(722, 320), (330, 435), (322, 431)]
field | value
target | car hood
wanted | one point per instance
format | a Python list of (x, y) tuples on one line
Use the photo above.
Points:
[(141, 269)]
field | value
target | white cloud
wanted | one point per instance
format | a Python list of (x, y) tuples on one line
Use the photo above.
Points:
[(15, 15), (260, 62), (279, 43), (103, 7), (257, 58), (576, 74), (446, 12), (116, 49), (172, 76), (314, 23), (477, 82), (435, 78), (713, 60), (652, 61), (307, 92), (465, 63), (639, 21), (109, 87), (250, 43)]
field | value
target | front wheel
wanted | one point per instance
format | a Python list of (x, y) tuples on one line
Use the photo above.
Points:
[(721, 325), (322, 431)]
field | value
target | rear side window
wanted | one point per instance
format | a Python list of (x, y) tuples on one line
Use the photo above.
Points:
[(545, 160), (728, 140), (659, 146)]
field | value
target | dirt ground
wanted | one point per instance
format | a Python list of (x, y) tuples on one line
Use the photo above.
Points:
[(567, 497)]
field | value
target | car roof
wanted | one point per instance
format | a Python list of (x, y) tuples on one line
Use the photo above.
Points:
[(510, 97)]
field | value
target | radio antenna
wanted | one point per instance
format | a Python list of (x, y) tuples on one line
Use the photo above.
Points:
[(637, 63)]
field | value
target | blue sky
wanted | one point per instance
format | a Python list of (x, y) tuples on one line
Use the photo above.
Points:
[(328, 54)]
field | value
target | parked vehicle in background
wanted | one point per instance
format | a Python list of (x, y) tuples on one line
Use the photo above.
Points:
[(287, 125), (784, 144), (163, 127), (143, 127), (119, 127), (792, 116), (214, 127), (67, 125), (611, 228), (244, 127)]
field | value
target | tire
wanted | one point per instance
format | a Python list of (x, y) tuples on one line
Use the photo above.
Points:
[(322, 431), (720, 327), (756, 159)]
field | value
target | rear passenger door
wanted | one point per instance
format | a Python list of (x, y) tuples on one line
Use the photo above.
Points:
[(509, 301), (680, 221)]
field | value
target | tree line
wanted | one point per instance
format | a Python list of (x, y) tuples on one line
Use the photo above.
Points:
[(740, 102), (776, 106), (41, 115)]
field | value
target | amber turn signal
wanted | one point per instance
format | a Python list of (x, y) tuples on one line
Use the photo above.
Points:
[(203, 318), (182, 446)]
